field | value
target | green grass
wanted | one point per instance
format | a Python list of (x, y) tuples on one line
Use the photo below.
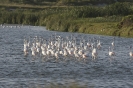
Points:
[(63, 18), (27, 6), (98, 25)]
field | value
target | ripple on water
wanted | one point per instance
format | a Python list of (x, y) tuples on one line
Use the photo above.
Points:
[(26, 72)]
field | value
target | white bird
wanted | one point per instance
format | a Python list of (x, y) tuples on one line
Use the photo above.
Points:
[(111, 52), (98, 44), (89, 44), (113, 43), (43, 51), (56, 55), (25, 47), (25, 51), (76, 55), (65, 52), (85, 55), (33, 50), (130, 53), (80, 52), (94, 53), (37, 49)]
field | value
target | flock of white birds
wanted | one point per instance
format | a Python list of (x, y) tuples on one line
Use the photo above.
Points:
[(69, 47)]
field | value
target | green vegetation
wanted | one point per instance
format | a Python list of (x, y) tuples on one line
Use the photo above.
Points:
[(113, 19), (63, 2)]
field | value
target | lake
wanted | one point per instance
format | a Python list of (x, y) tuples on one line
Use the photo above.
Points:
[(18, 71)]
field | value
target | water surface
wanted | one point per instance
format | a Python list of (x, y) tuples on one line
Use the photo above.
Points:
[(16, 70)]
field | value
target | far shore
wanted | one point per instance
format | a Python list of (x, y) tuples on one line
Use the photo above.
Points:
[(13, 24)]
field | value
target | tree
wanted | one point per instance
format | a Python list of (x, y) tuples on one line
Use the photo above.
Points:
[(118, 9)]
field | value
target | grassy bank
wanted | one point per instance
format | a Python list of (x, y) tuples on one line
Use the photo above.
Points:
[(106, 20), (94, 25), (94, 20), (86, 26), (102, 28)]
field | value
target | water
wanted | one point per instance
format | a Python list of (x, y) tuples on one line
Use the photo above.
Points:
[(17, 71)]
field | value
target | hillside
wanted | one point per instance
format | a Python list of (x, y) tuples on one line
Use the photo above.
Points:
[(83, 16), (62, 2)]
